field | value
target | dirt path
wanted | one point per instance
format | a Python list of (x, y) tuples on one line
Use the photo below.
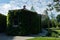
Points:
[(4, 37), (21, 38)]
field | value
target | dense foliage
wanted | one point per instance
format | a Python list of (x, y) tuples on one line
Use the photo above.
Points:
[(2, 23), (46, 22), (28, 22), (58, 18)]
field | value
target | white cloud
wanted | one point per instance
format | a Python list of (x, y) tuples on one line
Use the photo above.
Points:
[(39, 5), (6, 6)]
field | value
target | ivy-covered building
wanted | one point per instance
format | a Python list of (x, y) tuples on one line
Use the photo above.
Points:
[(23, 22)]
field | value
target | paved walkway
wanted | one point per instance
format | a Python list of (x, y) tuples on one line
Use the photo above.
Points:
[(4, 37)]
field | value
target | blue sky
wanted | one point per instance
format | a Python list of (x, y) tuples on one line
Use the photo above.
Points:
[(4, 1), (39, 5)]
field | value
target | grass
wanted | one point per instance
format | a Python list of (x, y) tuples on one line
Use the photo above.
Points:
[(44, 38)]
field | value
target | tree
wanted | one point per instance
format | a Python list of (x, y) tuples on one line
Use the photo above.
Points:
[(47, 17), (58, 18), (56, 5), (32, 9), (53, 20)]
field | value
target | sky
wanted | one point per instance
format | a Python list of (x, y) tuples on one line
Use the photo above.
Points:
[(39, 5)]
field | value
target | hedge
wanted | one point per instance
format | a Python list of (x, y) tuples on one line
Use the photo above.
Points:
[(2, 23), (28, 22)]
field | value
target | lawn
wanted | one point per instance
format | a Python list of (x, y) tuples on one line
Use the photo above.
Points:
[(44, 38)]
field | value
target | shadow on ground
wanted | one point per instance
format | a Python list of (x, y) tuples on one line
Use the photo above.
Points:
[(5, 37)]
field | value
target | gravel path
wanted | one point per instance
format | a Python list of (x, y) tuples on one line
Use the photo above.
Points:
[(4, 37)]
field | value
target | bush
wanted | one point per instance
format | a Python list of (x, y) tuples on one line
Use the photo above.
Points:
[(54, 34)]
